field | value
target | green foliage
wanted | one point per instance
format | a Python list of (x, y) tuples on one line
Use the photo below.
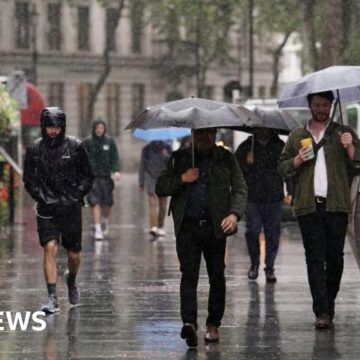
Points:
[(9, 113)]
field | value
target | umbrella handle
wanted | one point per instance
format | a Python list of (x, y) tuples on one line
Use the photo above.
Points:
[(341, 117), (192, 148)]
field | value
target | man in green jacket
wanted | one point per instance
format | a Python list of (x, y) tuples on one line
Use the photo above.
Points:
[(105, 163), (321, 198), (208, 200)]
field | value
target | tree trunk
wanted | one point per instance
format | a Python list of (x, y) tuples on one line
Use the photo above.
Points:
[(106, 66), (311, 54), (275, 65), (332, 35)]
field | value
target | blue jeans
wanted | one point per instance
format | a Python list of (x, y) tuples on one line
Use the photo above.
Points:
[(263, 217)]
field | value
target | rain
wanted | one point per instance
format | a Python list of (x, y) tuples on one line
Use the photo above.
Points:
[(134, 64)]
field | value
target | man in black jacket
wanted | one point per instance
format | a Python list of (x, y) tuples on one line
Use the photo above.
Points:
[(258, 157), (57, 175)]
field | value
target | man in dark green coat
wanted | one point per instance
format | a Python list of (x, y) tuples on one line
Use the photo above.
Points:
[(105, 163), (208, 200)]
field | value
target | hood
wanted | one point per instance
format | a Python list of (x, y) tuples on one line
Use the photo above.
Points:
[(53, 116), (95, 124)]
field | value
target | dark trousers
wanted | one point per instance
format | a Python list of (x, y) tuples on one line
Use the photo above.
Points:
[(193, 241), (324, 237), (266, 217)]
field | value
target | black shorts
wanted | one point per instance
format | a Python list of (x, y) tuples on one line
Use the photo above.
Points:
[(101, 192), (60, 222)]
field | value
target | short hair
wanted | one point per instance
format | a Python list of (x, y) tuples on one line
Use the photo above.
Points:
[(324, 94)]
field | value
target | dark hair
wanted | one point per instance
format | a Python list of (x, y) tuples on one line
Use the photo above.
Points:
[(324, 94)]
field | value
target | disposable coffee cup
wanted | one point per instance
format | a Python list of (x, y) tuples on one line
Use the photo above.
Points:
[(307, 142)]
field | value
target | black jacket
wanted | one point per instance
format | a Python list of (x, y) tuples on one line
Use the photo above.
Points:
[(262, 177), (57, 174)]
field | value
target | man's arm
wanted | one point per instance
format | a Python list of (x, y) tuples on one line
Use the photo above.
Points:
[(30, 175), (84, 170)]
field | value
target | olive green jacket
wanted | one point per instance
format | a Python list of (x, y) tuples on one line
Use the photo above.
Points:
[(338, 167), (227, 188)]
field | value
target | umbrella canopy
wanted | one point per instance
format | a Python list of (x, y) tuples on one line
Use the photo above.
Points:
[(274, 119), (31, 115), (344, 81), (194, 113), (161, 133)]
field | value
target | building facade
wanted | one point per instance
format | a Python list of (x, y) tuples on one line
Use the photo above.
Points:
[(60, 45)]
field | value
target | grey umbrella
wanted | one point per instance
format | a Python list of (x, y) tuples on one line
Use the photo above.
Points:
[(343, 81), (194, 113), (274, 119)]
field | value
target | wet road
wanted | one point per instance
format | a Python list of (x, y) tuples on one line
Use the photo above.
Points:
[(130, 302)]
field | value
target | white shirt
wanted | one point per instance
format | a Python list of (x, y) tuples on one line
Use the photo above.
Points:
[(320, 173)]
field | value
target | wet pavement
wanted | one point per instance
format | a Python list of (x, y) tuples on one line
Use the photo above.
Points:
[(130, 301)]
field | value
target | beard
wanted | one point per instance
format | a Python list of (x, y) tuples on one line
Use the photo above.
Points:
[(320, 117)]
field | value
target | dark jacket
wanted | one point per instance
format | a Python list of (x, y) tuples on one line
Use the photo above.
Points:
[(262, 177), (338, 167), (103, 153), (154, 157), (57, 175), (227, 187)]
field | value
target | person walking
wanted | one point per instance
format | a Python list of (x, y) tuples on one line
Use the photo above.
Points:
[(154, 157), (321, 198), (258, 158), (57, 175), (105, 163), (207, 201)]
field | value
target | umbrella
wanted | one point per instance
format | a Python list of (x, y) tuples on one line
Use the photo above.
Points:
[(194, 113), (161, 133), (343, 81), (274, 119)]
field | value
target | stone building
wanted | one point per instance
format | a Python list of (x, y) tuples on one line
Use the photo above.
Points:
[(60, 44)]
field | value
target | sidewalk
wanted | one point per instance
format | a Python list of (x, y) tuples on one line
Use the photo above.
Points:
[(130, 298)]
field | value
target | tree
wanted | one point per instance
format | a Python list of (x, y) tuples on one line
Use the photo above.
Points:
[(106, 58), (196, 35), (273, 19)]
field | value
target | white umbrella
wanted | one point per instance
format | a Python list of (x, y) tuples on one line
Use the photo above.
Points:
[(343, 81)]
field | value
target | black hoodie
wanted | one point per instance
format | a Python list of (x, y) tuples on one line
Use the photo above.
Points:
[(57, 170)]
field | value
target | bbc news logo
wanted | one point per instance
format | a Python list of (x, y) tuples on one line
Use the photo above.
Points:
[(21, 321)]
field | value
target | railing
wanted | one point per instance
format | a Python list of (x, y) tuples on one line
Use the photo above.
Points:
[(14, 168)]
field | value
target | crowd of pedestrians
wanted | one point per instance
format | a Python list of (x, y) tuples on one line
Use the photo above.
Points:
[(210, 190)]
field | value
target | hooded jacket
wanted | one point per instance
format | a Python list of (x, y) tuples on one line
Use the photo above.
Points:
[(103, 153), (57, 170)]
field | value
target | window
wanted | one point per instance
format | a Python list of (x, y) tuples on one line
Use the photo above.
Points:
[(22, 16), (83, 28), (56, 94), (113, 108), (138, 91), (54, 21), (84, 91), (137, 24), (112, 18)]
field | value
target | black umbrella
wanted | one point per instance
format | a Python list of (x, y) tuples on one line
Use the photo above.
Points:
[(194, 113), (274, 119)]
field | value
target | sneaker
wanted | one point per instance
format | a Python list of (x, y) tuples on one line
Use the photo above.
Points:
[(153, 231), (253, 271), (270, 276), (160, 232), (51, 306), (98, 234), (105, 226), (188, 332), (73, 291), (212, 334), (323, 322)]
